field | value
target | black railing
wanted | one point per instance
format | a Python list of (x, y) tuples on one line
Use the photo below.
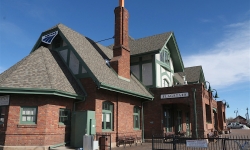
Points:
[(186, 143)]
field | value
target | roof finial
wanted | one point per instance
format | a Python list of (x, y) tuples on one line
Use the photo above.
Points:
[(121, 3)]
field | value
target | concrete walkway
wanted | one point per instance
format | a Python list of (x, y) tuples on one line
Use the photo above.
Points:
[(148, 146)]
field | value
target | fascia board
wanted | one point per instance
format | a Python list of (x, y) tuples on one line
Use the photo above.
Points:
[(119, 90), (40, 92)]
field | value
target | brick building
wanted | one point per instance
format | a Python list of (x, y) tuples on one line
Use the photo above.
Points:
[(125, 85)]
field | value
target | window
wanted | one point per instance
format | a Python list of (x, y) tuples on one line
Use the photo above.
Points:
[(64, 116), (107, 115), (73, 63), (136, 117), (28, 115), (167, 120), (136, 70), (179, 120), (2, 114), (208, 114), (147, 74), (165, 57)]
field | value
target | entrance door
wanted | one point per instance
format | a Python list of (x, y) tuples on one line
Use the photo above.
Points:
[(187, 124), (167, 120)]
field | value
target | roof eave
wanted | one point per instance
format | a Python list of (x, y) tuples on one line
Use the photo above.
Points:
[(40, 92), (177, 62), (119, 90), (146, 53)]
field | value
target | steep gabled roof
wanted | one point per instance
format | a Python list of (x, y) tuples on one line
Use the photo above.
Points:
[(93, 55), (148, 44), (41, 72), (193, 74), (154, 44)]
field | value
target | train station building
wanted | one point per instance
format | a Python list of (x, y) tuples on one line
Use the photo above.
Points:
[(69, 85)]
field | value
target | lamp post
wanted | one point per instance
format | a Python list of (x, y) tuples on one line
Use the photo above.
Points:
[(209, 87), (236, 112), (216, 95), (247, 117)]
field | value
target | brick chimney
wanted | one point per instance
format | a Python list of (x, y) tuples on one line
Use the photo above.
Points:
[(121, 53)]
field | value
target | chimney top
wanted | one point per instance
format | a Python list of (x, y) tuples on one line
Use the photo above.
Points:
[(121, 3)]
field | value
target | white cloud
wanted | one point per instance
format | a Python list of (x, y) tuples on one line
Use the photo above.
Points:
[(227, 62)]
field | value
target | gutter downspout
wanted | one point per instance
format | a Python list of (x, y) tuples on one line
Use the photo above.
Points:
[(195, 113), (143, 140)]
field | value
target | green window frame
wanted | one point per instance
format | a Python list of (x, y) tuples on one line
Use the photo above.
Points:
[(2, 113), (28, 115), (64, 116), (136, 117), (107, 116)]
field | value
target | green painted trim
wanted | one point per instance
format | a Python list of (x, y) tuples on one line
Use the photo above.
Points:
[(111, 112), (169, 78), (119, 90), (28, 122), (164, 65), (141, 62), (40, 92), (178, 54), (146, 53), (84, 75)]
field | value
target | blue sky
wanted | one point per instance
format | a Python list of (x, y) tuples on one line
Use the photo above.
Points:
[(214, 34)]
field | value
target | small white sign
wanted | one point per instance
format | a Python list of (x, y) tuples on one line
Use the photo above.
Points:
[(196, 143), (174, 95), (4, 100)]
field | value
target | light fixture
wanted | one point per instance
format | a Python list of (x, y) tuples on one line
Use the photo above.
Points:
[(209, 87), (216, 95), (225, 103)]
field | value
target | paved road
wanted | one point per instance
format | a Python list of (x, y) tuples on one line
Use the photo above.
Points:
[(148, 146)]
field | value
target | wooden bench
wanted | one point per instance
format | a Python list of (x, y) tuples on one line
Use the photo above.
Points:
[(181, 134), (168, 136), (123, 139)]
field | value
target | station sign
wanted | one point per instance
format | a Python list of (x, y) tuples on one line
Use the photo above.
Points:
[(174, 95)]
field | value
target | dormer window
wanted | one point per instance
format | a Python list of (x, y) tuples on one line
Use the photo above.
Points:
[(165, 57)]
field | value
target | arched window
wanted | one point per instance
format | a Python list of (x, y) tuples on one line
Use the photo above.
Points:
[(165, 83), (107, 115), (136, 117)]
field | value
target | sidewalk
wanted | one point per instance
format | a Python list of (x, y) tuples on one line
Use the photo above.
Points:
[(148, 146)]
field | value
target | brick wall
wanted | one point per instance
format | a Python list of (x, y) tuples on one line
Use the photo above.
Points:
[(47, 131), (154, 109), (122, 112)]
